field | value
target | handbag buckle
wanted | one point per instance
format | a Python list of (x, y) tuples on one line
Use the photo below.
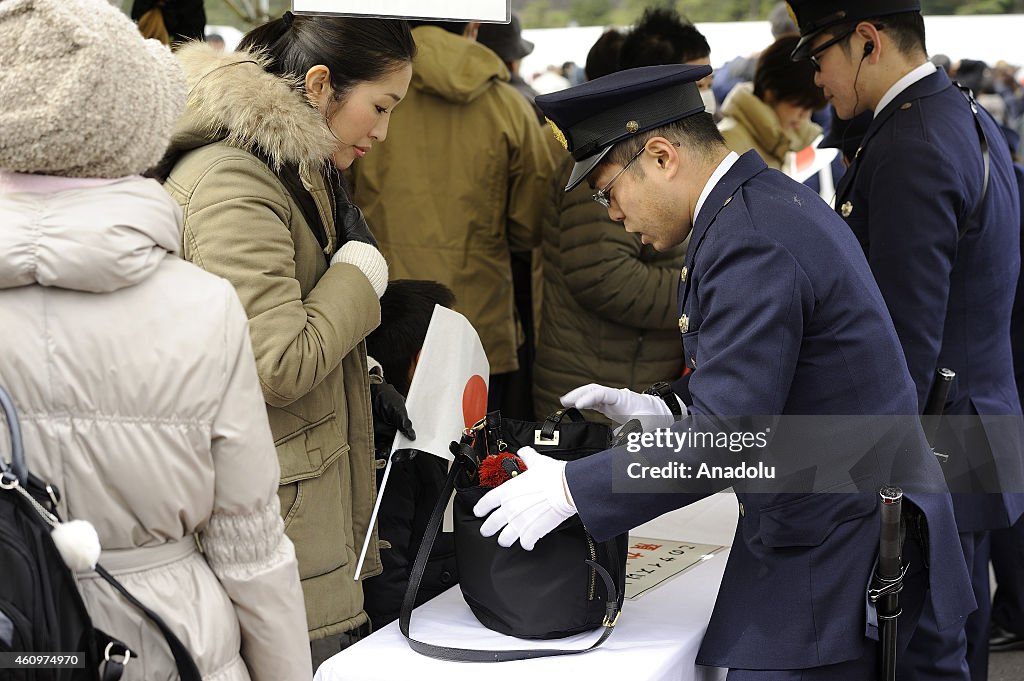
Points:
[(539, 439), (475, 428)]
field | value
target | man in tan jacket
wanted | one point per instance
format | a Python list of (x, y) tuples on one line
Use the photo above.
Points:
[(462, 183)]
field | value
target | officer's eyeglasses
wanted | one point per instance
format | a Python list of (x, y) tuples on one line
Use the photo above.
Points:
[(603, 195), (816, 52)]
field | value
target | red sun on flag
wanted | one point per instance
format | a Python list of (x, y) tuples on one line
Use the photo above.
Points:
[(474, 400), (805, 157)]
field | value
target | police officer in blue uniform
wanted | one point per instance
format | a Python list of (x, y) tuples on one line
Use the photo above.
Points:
[(779, 316), (932, 198), (1007, 632)]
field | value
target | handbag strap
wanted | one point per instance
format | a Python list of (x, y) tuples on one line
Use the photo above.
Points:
[(551, 423), (187, 669), (465, 458)]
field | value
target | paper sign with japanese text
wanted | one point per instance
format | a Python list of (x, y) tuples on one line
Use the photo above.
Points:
[(652, 562), (491, 11)]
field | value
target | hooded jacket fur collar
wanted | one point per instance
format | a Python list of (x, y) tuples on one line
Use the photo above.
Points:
[(232, 98)]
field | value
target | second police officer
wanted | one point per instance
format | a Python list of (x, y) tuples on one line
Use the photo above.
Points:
[(780, 315), (932, 198)]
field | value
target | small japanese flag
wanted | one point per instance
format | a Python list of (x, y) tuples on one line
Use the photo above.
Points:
[(449, 389), (448, 393)]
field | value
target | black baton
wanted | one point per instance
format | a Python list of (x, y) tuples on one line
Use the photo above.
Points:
[(935, 405), (888, 579)]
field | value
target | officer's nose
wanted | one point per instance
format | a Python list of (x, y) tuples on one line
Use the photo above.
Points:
[(615, 214)]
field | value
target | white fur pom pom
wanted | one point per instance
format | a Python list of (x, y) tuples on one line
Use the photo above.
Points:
[(78, 543)]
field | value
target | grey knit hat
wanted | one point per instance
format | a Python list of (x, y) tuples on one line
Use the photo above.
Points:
[(84, 95)]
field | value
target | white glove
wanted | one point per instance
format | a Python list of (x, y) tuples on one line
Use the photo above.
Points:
[(621, 405), (369, 261), (529, 505)]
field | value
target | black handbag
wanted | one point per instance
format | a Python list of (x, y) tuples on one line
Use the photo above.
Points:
[(568, 584)]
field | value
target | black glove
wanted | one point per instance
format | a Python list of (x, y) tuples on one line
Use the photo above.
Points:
[(352, 225), (389, 415)]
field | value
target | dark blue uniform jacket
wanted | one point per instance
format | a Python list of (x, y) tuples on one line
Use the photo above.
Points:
[(916, 181), (785, 318)]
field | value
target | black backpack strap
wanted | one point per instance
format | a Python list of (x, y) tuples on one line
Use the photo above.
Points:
[(985, 159), (187, 669), (466, 458), (114, 655)]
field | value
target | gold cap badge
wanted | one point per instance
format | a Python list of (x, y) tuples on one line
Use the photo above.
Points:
[(559, 135), (632, 127)]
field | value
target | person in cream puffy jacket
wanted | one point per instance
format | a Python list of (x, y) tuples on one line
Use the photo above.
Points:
[(132, 370)]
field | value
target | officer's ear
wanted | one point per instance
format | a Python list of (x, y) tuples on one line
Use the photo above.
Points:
[(872, 37), (666, 155)]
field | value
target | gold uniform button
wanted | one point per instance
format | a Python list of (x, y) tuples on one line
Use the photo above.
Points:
[(682, 275), (727, 201), (693, 362), (906, 106), (684, 324), (846, 209), (742, 511)]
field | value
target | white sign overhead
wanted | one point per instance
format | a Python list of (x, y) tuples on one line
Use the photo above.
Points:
[(492, 11)]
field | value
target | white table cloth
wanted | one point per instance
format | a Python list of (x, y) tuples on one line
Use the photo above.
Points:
[(656, 639)]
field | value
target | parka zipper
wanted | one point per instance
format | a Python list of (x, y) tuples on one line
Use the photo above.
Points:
[(592, 551)]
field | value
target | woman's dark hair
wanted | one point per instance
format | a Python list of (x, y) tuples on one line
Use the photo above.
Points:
[(663, 37), (790, 81), (356, 50)]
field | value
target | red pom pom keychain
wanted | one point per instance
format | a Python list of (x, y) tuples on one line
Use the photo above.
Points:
[(497, 468)]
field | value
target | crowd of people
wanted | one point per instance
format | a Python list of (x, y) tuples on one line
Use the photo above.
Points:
[(216, 277)]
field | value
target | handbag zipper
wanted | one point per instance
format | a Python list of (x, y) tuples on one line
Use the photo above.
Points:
[(592, 550)]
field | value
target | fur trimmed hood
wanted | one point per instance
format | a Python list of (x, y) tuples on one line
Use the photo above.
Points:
[(232, 98)]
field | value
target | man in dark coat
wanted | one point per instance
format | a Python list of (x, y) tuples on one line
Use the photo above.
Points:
[(933, 200), (780, 317)]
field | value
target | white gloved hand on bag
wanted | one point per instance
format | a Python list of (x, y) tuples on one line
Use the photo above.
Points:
[(528, 506), (621, 405), (369, 261)]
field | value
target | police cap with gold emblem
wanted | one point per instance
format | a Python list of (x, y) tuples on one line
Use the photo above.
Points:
[(814, 16), (590, 119)]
